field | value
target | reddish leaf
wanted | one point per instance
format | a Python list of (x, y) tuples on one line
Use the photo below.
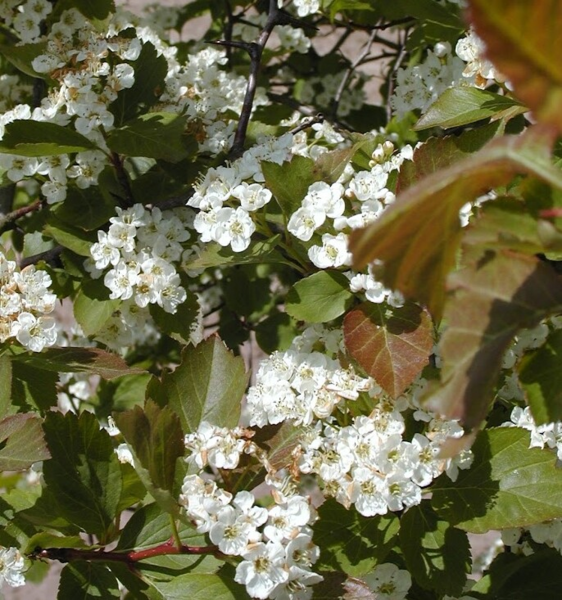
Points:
[(22, 442), (417, 238), (440, 153), (393, 346), (523, 40), (491, 300)]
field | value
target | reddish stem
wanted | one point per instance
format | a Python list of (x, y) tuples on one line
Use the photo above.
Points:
[(69, 554)]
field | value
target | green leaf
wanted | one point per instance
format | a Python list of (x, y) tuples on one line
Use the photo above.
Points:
[(39, 138), (508, 485), (157, 135), (520, 40), (79, 360), (87, 581), (201, 587), (133, 490), (94, 9), (276, 332), (122, 393), (77, 240), (183, 323), (289, 182), (392, 345), (320, 297), (33, 387), (21, 442), (6, 387), (261, 252), (86, 209), (150, 527), (418, 236), (351, 543), (492, 298), (156, 440), (208, 385), (329, 166), (540, 375), (150, 74), (463, 105), (46, 539), (437, 554), (22, 56), (514, 577), (84, 474), (93, 307)]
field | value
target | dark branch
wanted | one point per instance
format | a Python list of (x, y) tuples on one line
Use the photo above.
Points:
[(66, 555), (48, 256), (349, 72), (11, 217), (255, 50)]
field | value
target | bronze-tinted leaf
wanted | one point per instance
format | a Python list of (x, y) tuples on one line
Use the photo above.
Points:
[(491, 300), (417, 238), (392, 345), (523, 39)]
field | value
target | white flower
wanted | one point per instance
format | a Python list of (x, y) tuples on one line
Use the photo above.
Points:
[(389, 582), (35, 332), (305, 221), (11, 567), (262, 570), (124, 454), (332, 253), (230, 533), (234, 228)]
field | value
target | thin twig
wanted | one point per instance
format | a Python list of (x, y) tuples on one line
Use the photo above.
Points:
[(349, 72), (255, 50), (14, 215), (47, 256), (392, 75), (66, 555), (319, 118), (228, 27)]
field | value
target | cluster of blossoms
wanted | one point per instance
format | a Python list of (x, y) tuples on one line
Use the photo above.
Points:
[(25, 302), (322, 91), (138, 255), (275, 543), (12, 565), (25, 17), (227, 196), (420, 85), (367, 463), (91, 68), (548, 435), (291, 39)]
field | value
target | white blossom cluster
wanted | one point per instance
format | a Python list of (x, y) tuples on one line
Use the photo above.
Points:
[(418, 86), (91, 68), (25, 303), (471, 50), (519, 538), (25, 17), (139, 249), (275, 543), (218, 447), (227, 196), (367, 463), (12, 566), (548, 435), (526, 339), (291, 39), (321, 91)]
